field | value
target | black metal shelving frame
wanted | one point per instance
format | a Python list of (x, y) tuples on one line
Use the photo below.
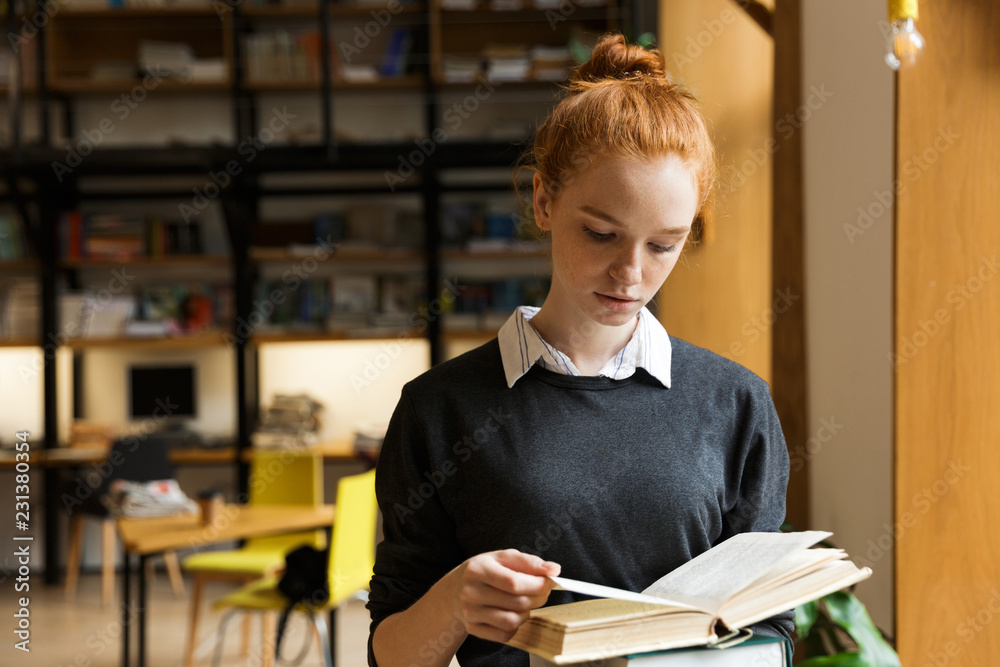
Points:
[(39, 196)]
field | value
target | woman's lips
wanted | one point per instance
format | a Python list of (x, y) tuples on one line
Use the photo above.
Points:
[(615, 303)]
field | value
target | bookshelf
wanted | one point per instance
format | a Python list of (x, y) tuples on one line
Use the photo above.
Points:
[(83, 60)]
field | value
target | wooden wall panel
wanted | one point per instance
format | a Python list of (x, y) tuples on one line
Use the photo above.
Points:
[(947, 449), (723, 295), (718, 289)]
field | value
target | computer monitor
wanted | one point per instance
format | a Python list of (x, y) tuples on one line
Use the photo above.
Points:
[(162, 391)]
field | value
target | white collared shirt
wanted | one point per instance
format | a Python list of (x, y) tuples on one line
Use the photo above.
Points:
[(521, 347)]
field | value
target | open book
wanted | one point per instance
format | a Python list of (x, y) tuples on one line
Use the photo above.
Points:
[(747, 578)]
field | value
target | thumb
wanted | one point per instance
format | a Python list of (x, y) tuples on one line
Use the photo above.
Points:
[(527, 563)]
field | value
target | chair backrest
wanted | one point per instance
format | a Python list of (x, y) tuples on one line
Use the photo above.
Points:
[(352, 554), (144, 459), (140, 459), (287, 477)]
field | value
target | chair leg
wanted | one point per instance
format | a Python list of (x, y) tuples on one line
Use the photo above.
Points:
[(319, 637), (73, 560), (245, 644), (108, 562), (174, 571), (267, 641), (326, 647), (192, 638), (220, 637)]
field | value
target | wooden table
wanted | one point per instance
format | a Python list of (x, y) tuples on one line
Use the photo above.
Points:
[(68, 457), (143, 537)]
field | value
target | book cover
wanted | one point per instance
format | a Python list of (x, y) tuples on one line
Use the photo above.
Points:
[(753, 652)]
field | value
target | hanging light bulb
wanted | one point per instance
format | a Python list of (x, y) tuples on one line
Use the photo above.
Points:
[(903, 41)]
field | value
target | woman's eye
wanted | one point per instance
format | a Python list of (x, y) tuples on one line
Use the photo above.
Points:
[(663, 248), (597, 235)]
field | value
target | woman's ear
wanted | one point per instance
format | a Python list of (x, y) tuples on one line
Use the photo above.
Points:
[(542, 203)]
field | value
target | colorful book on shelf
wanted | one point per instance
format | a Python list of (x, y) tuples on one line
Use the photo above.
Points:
[(706, 602), (396, 57), (13, 244)]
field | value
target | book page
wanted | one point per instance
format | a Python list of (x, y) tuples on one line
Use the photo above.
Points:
[(597, 590), (832, 576), (708, 580)]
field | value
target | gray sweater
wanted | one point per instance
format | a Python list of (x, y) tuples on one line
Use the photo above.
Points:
[(618, 481)]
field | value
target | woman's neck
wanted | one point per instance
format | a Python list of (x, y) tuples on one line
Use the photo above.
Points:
[(587, 344)]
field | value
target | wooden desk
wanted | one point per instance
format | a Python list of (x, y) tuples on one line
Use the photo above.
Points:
[(144, 537), (68, 457)]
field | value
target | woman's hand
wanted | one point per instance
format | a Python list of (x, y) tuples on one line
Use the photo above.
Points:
[(496, 590)]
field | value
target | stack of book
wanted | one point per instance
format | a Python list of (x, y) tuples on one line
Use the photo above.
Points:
[(20, 317), (507, 62), (551, 62), (460, 69), (177, 59), (283, 55)]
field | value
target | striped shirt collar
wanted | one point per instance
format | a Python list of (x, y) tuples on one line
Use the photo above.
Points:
[(521, 347)]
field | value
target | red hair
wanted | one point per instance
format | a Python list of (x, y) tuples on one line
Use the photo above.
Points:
[(621, 102)]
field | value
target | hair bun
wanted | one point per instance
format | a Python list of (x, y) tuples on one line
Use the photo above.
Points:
[(614, 58)]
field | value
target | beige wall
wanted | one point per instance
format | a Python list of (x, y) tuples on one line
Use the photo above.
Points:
[(720, 295), (848, 158)]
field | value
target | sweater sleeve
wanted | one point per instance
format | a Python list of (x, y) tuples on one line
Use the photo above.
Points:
[(763, 483), (418, 545)]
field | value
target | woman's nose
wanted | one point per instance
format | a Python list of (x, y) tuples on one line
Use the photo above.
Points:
[(627, 268)]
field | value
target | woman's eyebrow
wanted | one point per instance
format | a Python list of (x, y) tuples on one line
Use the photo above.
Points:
[(597, 213)]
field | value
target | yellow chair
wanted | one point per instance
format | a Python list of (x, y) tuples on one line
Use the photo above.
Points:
[(351, 559), (280, 477)]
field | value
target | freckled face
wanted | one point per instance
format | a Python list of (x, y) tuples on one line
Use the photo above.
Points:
[(617, 230)]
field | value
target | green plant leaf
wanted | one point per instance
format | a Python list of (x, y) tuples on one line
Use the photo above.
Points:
[(646, 40), (581, 52), (805, 617), (849, 613), (838, 660)]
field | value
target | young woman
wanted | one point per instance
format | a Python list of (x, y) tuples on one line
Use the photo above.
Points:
[(583, 440)]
